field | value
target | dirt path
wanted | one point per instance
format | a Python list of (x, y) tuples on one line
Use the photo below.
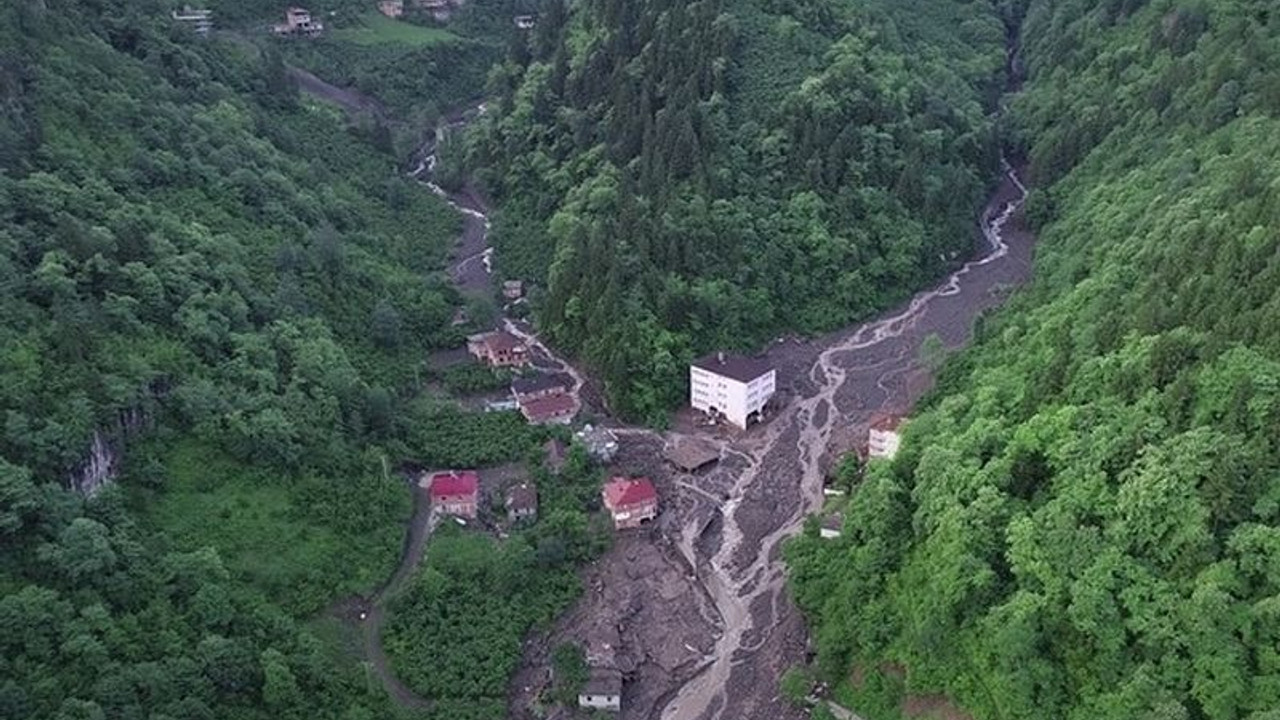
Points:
[(369, 614)]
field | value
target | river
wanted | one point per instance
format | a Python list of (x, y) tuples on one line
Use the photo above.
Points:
[(837, 383)]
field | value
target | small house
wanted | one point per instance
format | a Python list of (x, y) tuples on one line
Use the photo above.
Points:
[(557, 409), (540, 385), (601, 443), (498, 349), (735, 387), (883, 437), (298, 23), (199, 20), (391, 8), (513, 289), (631, 501), (602, 690), (455, 492), (522, 502)]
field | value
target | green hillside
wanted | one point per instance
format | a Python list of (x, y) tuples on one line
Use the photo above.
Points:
[(197, 258), (1083, 523), (685, 176)]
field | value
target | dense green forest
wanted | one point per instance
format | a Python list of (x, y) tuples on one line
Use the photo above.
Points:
[(678, 176), (1083, 522), (456, 633), (227, 280)]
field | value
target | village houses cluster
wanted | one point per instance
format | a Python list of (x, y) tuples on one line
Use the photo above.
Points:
[(726, 389)]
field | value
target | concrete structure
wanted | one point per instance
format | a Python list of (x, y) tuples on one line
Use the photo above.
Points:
[(498, 349), (883, 437), (298, 23), (557, 409), (525, 22), (734, 387), (690, 454), (601, 443), (522, 502), (631, 501), (513, 289), (456, 492), (391, 8), (198, 19), (540, 385), (602, 691)]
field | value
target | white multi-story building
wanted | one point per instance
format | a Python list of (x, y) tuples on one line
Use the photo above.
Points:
[(884, 437), (733, 386)]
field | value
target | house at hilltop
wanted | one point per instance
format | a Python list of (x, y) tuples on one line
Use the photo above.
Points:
[(630, 501), (730, 386)]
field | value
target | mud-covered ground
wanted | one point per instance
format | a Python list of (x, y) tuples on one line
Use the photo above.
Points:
[(695, 610)]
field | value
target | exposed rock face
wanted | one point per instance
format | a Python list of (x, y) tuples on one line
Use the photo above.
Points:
[(101, 464)]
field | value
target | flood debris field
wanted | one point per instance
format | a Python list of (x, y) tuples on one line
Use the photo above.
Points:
[(695, 610)]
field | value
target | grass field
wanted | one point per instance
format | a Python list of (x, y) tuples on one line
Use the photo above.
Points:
[(271, 533), (378, 29)]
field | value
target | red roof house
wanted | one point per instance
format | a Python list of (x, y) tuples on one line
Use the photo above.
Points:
[(631, 501), (456, 492)]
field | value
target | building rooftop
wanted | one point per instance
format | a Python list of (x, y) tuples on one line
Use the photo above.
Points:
[(887, 423), (603, 681), (502, 340), (454, 482), (538, 383), (522, 497), (689, 454), (732, 365), (545, 408), (622, 492)]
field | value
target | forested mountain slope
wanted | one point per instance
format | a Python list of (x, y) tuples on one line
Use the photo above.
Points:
[(186, 242), (1086, 521), (688, 175)]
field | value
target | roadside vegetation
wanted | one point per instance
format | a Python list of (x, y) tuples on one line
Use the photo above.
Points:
[(1083, 522), (455, 633)]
